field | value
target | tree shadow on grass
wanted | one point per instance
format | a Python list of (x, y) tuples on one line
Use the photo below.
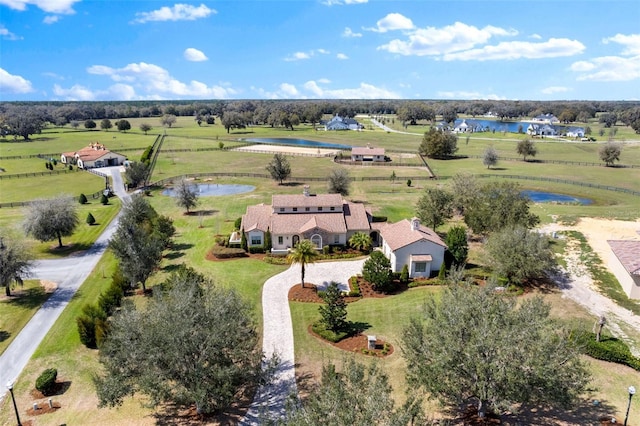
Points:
[(353, 328), (586, 412), (30, 298), (66, 250), (171, 268), (174, 255), (181, 246), (198, 213), (291, 184)]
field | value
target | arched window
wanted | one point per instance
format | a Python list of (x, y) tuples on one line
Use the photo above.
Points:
[(316, 240)]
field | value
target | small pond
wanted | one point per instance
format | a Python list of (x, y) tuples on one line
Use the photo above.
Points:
[(215, 189), (298, 142), (552, 197)]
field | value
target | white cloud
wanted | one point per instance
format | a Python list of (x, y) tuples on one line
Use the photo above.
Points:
[(155, 81), (297, 56), (536, 36), (555, 89), (323, 51), (74, 93), (392, 22), (324, 80), (179, 12), (343, 2), (608, 68), (121, 92), (348, 32), (461, 94), (10, 83), (312, 89), (51, 19), (631, 43), (8, 35), (49, 6), (289, 90), (53, 75), (194, 55), (553, 48), (342, 56), (312, 86), (439, 41)]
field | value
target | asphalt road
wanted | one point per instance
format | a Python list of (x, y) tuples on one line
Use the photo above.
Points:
[(69, 274)]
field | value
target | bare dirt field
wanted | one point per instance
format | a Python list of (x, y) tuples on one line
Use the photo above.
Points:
[(294, 150)]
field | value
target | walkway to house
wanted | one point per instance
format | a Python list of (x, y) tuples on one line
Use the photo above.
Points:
[(278, 331)]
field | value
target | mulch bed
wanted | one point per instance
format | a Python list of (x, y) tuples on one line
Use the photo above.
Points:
[(257, 256), (357, 344), (310, 294)]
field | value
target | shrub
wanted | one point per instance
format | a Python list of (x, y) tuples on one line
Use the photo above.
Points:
[(326, 250), (320, 329), (92, 317), (46, 382), (146, 155), (237, 223), (111, 298), (379, 219), (408, 182), (276, 260), (608, 349), (355, 287), (55, 162), (377, 271), (104, 200), (82, 199), (70, 167), (404, 274), (90, 219), (256, 249), (220, 252)]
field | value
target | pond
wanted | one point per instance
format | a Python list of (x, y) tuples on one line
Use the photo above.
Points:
[(215, 189), (552, 197), (298, 142)]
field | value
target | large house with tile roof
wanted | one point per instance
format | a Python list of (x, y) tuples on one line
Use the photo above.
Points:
[(325, 219), (625, 265), (412, 244), (94, 155)]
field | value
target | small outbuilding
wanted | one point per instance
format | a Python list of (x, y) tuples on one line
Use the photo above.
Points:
[(367, 153), (625, 265)]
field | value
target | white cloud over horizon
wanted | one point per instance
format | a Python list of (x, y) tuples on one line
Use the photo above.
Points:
[(49, 6), (555, 89), (509, 50), (194, 55), (392, 22), (612, 68), (10, 83), (312, 89), (178, 12), (468, 95)]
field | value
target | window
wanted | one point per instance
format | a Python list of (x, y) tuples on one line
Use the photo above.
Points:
[(306, 209), (256, 241), (280, 240), (317, 241), (332, 208), (319, 209), (420, 266), (336, 239), (281, 209), (295, 209)]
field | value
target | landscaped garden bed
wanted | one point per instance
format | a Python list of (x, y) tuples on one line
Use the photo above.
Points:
[(359, 344)]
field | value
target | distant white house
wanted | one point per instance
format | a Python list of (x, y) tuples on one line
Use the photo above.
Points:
[(575, 132), (546, 118), (409, 243), (541, 130), (463, 127), (367, 153), (94, 155), (339, 123), (625, 265)]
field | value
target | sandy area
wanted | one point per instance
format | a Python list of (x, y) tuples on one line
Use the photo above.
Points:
[(578, 284), (294, 150)]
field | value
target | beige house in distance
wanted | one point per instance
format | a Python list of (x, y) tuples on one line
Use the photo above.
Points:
[(325, 219), (625, 265), (409, 243), (367, 153), (95, 155)]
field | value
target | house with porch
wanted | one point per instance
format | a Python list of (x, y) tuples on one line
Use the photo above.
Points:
[(409, 243), (325, 219), (94, 155), (541, 130), (340, 123), (546, 118), (367, 153), (625, 265)]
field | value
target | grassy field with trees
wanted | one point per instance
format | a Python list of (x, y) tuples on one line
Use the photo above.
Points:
[(214, 217)]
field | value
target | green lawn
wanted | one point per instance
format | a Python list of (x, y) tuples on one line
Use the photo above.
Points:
[(17, 310)]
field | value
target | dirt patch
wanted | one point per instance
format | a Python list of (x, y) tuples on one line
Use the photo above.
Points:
[(43, 408), (49, 286), (359, 344)]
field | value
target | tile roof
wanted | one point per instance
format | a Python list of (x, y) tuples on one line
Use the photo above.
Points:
[(356, 216), (257, 217), (400, 234), (302, 222), (365, 150), (300, 200), (91, 152), (628, 253)]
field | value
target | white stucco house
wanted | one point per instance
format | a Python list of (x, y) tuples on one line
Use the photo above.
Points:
[(94, 155), (409, 243), (340, 123), (325, 219), (367, 153), (541, 130), (625, 265)]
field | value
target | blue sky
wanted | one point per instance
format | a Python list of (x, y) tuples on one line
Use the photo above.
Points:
[(319, 49)]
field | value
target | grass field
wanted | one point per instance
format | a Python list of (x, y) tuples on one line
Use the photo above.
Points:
[(215, 216)]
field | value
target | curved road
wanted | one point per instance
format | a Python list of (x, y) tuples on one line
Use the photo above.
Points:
[(69, 274), (278, 331)]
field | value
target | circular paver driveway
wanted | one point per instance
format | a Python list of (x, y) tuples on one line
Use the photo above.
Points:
[(278, 330)]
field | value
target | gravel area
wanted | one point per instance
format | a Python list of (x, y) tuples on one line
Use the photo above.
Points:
[(278, 331)]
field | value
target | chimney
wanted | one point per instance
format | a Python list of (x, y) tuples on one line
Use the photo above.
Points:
[(415, 224), (305, 190)]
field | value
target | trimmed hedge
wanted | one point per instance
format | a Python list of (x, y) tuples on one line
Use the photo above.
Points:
[(320, 330), (608, 349), (276, 260), (227, 253), (355, 287), (46, 382)]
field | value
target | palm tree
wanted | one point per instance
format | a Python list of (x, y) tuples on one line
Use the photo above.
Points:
[(361, 241), (303, 253)]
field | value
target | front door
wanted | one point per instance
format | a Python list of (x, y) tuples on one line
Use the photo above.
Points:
[(295, 240)]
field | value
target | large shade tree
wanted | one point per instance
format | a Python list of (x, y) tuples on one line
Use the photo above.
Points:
[(435, 206), (186, 194), (193, 344), (610, 153), (48, 220), (279, 168), (436, 143), (339, 181), (15, 261), (474, 344), (526, 148), (303, 253)]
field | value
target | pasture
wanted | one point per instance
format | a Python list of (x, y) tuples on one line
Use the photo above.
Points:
[(214, 216)]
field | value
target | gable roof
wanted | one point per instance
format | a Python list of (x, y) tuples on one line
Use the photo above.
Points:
[(356, 217), (300, 200), (628, 253), (257, 217), (400, 234), (366, 150), (91, 152), (304, 222)]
